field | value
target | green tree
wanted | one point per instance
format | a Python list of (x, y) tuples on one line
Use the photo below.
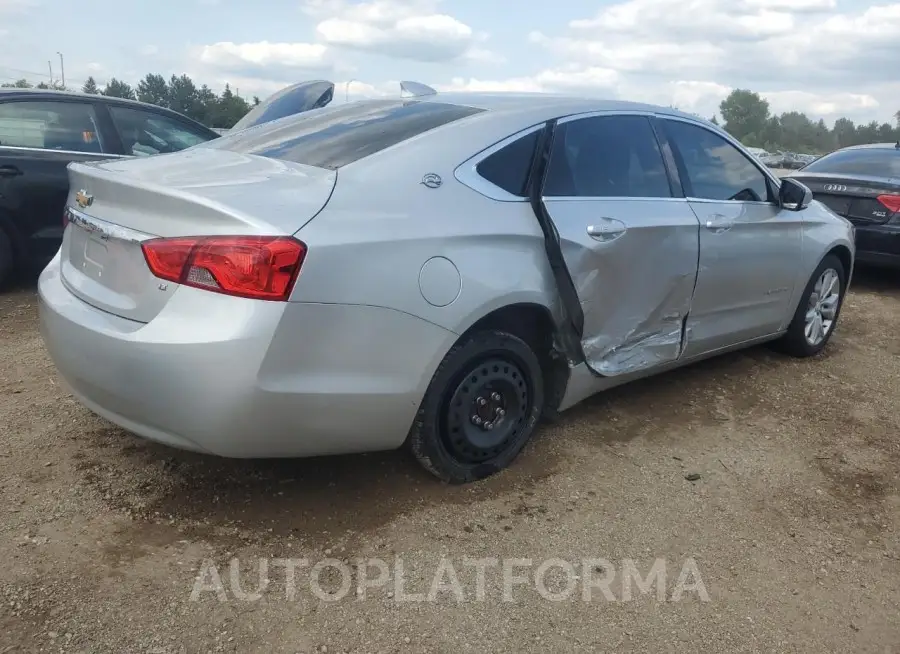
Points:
[(231, 108), (206, 105), (90, 86), (118, 89), (745, 114), (153, 90), (183, 95), (18, 84)]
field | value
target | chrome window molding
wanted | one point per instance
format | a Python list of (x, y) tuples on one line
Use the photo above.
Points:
[(616, 198), (467, 172)]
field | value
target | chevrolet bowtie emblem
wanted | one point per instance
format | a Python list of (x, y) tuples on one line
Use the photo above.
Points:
[(83, 199)]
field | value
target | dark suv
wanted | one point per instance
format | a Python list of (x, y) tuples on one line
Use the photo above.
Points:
[(41, 132)]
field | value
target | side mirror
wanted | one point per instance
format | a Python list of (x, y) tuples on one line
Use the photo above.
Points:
[(794, 196)]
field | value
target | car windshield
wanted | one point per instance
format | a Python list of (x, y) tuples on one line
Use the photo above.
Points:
[(875, 162), (336, 136)]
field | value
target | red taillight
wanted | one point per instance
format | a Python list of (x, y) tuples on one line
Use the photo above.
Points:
[(258, 267), (892, 202)]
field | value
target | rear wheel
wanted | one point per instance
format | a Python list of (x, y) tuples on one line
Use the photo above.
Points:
[(480, 409), (6, 259), (817, 314)]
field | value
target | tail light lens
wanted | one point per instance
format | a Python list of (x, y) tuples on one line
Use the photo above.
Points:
[(891, 202), (258, 267)]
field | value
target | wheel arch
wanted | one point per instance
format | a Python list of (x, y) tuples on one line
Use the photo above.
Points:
[(534, 323)]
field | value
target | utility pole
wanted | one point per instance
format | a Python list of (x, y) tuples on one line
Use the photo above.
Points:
[(62, 69), (50, 67)]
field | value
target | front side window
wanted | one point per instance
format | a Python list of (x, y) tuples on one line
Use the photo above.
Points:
[(875, 162), (714, 168), (336, 136), (144, 133), (48, 125), (606, 156)]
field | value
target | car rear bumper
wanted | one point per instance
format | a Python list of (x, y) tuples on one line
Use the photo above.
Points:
[(243, 378), (878, 244)]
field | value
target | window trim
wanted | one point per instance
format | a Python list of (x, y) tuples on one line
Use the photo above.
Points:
[(767, 174), (467, 172), (95, 116), (674, 182)]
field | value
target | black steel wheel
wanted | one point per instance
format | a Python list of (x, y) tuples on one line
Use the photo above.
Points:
[(480, 409)]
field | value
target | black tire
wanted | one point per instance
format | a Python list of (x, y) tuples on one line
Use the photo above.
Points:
[(794, 342), (6, 259), (504, 372)]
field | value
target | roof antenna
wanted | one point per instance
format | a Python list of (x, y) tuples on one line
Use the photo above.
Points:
[(415, 89)]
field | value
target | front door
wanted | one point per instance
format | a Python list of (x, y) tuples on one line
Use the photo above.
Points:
[(749, 246), (38, 139), (629, 242)]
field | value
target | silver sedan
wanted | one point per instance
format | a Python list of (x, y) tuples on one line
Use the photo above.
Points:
[(436, 272)]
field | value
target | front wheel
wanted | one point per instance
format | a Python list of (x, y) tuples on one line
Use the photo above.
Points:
[(481, 407), (817, 314)]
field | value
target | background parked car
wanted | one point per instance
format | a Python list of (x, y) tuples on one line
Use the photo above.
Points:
[(862, 183), (42, 131)]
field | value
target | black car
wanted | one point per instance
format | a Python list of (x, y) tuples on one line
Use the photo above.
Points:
[(41, 132), (862, 183)]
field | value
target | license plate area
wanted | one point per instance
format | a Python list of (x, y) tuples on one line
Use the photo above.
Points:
[(95, 253)]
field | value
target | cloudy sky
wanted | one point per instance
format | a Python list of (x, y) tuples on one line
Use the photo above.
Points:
[(826, 57)]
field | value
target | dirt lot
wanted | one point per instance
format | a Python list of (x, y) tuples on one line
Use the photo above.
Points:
[(793, 522)]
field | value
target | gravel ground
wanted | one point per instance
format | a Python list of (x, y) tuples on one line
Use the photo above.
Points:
[(779, 479)]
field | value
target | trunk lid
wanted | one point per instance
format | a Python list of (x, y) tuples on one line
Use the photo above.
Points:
[(853, 197), (114, 206)]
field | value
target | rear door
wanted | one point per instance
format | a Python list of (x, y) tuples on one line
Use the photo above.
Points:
[(38, 139), (749, 246), (629, 243)]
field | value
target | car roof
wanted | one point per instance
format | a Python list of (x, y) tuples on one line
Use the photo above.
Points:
[(871, 146), (54, 94), (563, 104)]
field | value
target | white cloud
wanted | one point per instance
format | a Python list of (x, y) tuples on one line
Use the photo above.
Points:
[(300, 55), (804, 55), (405, 29)]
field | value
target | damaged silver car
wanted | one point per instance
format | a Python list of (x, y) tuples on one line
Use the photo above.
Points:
[(435, 272)]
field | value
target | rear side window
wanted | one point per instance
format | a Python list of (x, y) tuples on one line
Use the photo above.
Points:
[(607, 156), (875, 162), (336, 136), (48, 125), (144, 133), (508, 167)]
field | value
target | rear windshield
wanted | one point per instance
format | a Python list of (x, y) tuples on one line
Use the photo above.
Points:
[(875, 162), (336, 136)]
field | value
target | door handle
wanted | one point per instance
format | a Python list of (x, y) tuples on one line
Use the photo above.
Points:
[(9, 171), (607, 229), (718, 223)]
